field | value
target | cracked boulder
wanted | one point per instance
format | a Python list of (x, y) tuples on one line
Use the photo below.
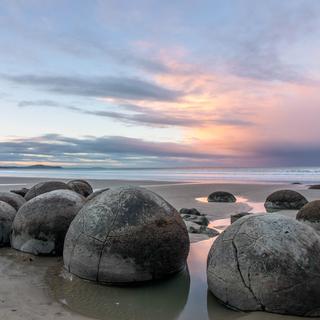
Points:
[(44, 187), (40, 225), (285, 200), (126, 235), (267, 262), (80, 186), (310, 214), (221, 196), (7, 214), (15, 200)]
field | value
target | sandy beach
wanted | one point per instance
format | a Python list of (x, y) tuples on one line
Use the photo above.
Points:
[(30, 287)]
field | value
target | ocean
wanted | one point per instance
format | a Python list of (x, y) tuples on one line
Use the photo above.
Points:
[(208, 174)]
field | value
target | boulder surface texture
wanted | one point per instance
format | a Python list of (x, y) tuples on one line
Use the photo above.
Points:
[(126, 235), (41, 224), (267, 262)]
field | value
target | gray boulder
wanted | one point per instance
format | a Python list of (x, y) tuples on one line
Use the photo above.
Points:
[(7, 214), (126, 235), (285, 200), (80, 186), (44, 187), (237, 216), (310, 214), (192, 211), (41, 224), (267, 262), (13, 199), (221, 196), (96, 193), (21, 192)]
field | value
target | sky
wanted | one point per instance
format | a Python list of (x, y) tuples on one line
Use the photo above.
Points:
[(122, 83)]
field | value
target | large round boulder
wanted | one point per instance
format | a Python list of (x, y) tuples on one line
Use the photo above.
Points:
[(41, 224), (126, 235), (44, 187), (7, 214), (15, 200), (267, 262), (221, 196), (81, 186), (310, 214), (285, 200)]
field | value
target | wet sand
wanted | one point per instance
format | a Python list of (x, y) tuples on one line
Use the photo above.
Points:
[(37, 288)]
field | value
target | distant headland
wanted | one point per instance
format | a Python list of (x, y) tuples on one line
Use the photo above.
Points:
[(36, 166)]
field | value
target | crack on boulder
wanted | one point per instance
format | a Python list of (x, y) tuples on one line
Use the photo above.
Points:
[(242, 278)]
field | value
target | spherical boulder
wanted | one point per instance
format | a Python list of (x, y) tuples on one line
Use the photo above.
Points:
[(81, 186), (15, 200), (310, 214), (41, 224), (126, 235), (285, 200), (7, 214), (267, 262), (44, 187), (96, 193), (221, 196)]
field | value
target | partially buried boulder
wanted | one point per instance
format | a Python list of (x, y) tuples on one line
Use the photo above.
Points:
[(126, 235), (285, 200), (13, 199), (267, 262), (221, 196), (310, 214), (7, 214), (80, 186), (44, 187), (41, 224)]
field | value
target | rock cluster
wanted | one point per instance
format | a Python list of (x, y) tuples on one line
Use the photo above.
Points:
[(197, 222), (126, 235), (267, 262)]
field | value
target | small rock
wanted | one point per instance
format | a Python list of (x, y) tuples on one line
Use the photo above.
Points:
[(198, 229), (315, 187)]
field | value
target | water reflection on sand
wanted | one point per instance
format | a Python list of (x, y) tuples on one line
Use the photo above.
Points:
[(182, 297)]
